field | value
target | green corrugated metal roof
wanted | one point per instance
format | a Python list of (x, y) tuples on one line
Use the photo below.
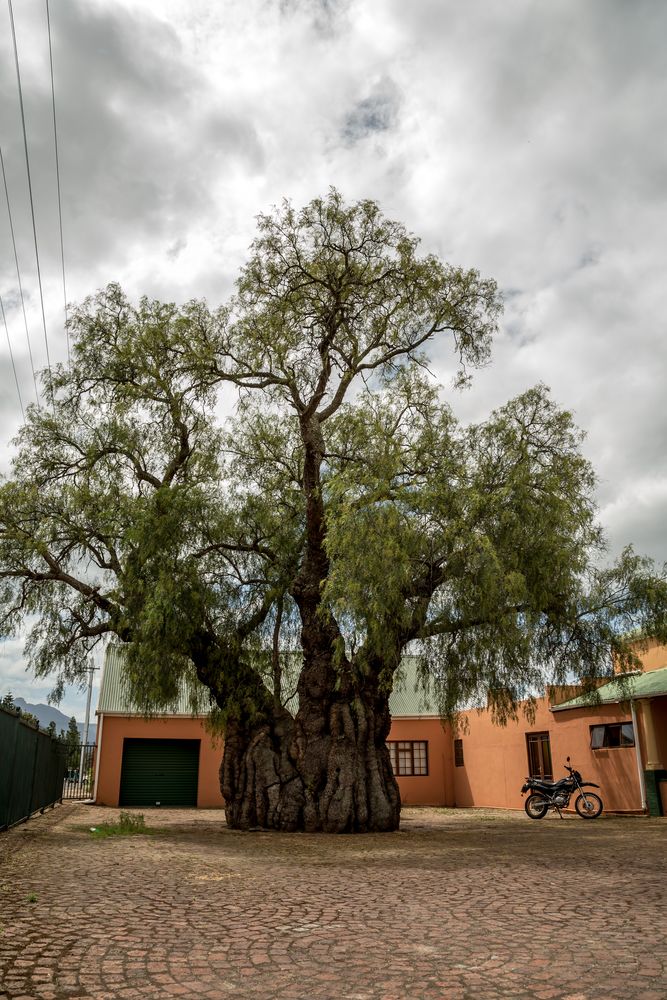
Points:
[(650, 684), (115, 697), (405, 700)]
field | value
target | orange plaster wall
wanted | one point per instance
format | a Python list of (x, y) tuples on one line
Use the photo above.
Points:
[(496, 758), (436, 788), (653, 657), (116, 728), (658, 709)]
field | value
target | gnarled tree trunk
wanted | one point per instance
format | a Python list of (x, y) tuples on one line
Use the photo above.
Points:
[(258, 780), (327, 770), (342, 754)]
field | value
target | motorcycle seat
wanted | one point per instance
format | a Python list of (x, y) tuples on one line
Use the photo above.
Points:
[(550, 785)]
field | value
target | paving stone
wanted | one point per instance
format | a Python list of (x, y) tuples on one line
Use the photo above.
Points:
[(458, 905)]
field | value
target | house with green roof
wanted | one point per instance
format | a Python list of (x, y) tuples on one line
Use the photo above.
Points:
[(173, 759), (617, 737), (645, 695)]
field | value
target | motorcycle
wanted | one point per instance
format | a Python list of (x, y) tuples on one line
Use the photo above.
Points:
[(546, 795)]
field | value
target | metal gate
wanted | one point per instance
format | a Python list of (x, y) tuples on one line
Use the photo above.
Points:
[(80, 773)]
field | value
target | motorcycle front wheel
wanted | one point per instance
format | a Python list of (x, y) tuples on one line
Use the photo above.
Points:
[(536, 806), (589, 806)]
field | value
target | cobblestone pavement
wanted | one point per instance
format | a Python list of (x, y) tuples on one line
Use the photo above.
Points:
[(462, 905)]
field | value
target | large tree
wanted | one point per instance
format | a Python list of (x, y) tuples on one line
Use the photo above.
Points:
[(275, 495)]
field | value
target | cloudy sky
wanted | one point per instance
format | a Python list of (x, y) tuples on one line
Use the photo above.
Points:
[(526, 139)]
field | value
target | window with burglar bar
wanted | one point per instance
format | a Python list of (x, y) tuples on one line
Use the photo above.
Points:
[(409, 757), (613, 734)]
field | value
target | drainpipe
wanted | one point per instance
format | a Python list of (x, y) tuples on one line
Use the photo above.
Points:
[(98, 754), (638, 755)]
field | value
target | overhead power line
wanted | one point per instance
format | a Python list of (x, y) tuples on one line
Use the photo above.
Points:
[(55, 140), (11, 357), (27, 165), (18, 276)]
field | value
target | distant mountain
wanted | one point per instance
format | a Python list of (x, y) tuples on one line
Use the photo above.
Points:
[(47, 714)]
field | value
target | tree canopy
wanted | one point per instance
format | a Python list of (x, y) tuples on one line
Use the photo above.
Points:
[(282, 474)]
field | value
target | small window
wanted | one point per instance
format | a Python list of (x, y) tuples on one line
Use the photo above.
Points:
[(409, 757), (458, 753), (539, 755), (614, 734)]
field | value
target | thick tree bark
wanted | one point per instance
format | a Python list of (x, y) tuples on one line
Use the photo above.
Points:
[(258, 780), (327, 770), (341, 752)]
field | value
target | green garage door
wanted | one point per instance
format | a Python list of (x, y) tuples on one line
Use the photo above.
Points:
[(159, 773)]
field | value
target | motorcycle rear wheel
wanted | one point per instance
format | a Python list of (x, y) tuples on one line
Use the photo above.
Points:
[(589, 807), (536, 806)]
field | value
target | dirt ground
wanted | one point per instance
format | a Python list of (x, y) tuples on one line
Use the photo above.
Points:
[(459, 904)]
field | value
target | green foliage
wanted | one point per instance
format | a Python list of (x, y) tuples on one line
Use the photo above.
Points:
[(340, 487), (72, 742), (128, 824), (343, 285), (7, 703), (131, 823), (496, 524)]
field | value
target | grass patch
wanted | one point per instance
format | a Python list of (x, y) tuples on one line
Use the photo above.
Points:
[(127, 825)]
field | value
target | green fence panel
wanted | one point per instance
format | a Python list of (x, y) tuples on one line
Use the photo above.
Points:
[(32, 769), (49, 772), (8, 734), (24, 771)]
